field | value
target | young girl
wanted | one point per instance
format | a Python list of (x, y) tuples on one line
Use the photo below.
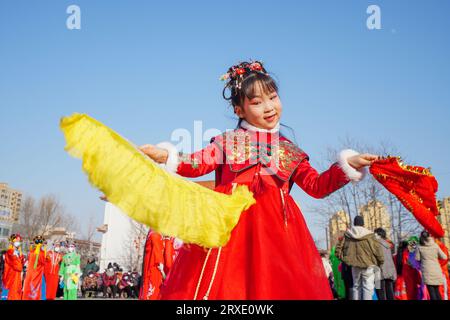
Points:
[(271, 254)]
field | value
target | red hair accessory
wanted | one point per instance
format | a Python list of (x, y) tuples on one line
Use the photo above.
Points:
[(236, 72), (415, 187), (15, 237)]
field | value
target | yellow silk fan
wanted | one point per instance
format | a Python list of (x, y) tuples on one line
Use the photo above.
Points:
[(146, 192)]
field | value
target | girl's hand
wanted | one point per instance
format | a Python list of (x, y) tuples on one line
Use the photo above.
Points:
[(362, 160), (159, 155)]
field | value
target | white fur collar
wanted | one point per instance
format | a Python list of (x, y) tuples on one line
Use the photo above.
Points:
[(248, 126)]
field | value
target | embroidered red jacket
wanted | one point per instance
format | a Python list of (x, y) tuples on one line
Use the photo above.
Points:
[(231, 154)]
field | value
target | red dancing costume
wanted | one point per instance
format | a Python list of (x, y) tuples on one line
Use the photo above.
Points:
[(169, 254), (12, 275), (153, 257), (271, 254), (51, 273), (444, 289), (35, 271)]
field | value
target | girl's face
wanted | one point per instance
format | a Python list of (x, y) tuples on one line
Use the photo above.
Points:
[(263, 110)]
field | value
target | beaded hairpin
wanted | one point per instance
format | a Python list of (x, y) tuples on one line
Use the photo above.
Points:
[(236, 73)]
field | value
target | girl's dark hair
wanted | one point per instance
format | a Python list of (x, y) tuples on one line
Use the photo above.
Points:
[(239, 89), (244, 86), (424, 237), (381, 232)]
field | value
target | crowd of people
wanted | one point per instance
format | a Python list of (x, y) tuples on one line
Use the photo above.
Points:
[(50, 272), (113, 282), (39, 273), (364, 265)]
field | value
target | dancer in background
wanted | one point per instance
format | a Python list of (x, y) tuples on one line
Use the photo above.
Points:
[(169, 254), (51, 270), (153, 273), (14, 262), (32, 285), (70, 272)]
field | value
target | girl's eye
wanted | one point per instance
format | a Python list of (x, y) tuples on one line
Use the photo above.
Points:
[(274, 97), (255, 102)]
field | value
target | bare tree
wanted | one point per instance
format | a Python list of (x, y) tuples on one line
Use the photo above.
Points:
[(133, 247), (86, 243), (39, 217), (91, 229), (28, 219)]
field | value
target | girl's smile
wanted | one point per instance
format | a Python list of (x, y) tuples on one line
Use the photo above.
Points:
[(262, 110)]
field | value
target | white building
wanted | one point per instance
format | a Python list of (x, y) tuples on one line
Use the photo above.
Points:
[(122, 241)]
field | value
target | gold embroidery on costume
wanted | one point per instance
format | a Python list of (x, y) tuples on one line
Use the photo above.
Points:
[(287, 153), (241, 146), (188, 158)]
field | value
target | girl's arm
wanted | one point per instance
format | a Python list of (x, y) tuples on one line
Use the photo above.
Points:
[(187, 165), (338, 175)]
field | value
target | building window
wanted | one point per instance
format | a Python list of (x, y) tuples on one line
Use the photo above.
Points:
[(4, 232)]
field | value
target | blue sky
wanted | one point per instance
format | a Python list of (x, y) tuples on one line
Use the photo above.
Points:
[(146, 68)]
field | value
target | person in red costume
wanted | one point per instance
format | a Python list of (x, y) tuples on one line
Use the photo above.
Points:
[(271, 253), (172, 247), (12, 274), (169, 254), (444, 289), (409, 279), (153, 273), (51, 271), (35, 270)]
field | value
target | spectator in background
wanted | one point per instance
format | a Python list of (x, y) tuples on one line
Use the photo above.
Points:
[(388, 271), (90, 266), (428, 253), (360, 250), (109, 280), (339, 284), (136, 279), (328, 271)]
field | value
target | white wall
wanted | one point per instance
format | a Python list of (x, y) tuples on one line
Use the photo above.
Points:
[(119, 226)]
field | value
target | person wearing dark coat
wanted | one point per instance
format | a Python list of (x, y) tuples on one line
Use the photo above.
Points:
[(360, 250)]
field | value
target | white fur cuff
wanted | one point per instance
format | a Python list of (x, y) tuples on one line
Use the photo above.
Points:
[(351, 173), (172, 160)]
